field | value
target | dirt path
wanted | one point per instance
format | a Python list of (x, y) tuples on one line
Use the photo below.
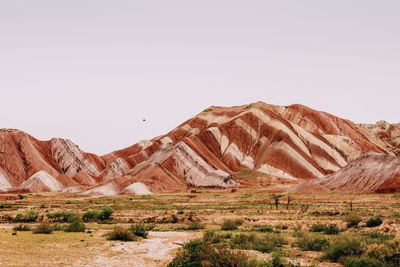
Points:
[(157, 250)]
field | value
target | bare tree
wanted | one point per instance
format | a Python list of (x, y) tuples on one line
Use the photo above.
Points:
[(289, 200), (276, 198)]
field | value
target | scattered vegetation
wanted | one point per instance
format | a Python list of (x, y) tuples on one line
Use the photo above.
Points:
[(43, 228), (352, 220), (311, 242), (29, 216), (121, 234), (76, 226), (140, 230), (22, 228), (361, 262), (231, 225), (199, 253), (98, 215), (344, 247), (65, 216), (192, 226), (331, 229), (374, 222), (261, 242), (263, 229)]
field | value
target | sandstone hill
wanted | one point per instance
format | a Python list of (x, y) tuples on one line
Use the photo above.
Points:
[(252, 145)]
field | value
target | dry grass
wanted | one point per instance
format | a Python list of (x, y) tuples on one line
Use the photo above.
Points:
[(210, 207)]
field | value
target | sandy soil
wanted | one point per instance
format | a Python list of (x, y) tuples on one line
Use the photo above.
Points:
[(157, 250)]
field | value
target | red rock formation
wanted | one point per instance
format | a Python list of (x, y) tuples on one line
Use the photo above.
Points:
[(289, 144), (369, 173)]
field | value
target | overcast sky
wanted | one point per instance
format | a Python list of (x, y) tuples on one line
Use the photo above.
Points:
[(91, 71)]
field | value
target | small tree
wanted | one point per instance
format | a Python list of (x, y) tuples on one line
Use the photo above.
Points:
[(289, 200), (276, 198)]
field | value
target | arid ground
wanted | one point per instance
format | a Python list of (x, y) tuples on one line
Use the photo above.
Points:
[(177, 218)]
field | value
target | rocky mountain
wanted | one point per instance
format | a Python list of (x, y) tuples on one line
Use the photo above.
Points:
[(251, 145), (369, 173)]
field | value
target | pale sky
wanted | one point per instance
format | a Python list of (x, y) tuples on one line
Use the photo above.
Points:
[(91, 71)]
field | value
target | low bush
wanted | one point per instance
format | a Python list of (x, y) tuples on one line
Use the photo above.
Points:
[(265, 243), (374, 222), (388, 253), (311, 242), (76, 227), (361, 262), (65, 216), (98, 215), (90, 215), (140, 230), (344, 247), (198, 253), (105, 214), (352, 220), (43, 228), (331, 229), (317, 228), (263, 229), (5, 206), (231, 225), (57, 227), (22, 228), (194, 226), (376, 237), (29, 216), (215, 237), (121, 234)]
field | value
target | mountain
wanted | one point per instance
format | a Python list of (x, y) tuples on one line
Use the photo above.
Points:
[(251, 145), (369, 173)]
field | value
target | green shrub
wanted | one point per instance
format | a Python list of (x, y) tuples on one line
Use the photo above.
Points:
[(90, 215), (65, 216), (263, 229), (214, 237), (194, 226), (344, 247), (43, 228), (58, 227), (139, 230), (331, 229), (22, 228), (308, 242), (361, 262), (121, 234), (98, 215), (352, 220), (262, 242), (278, 261), (5, 206), (317, 228), (76, 227), (105, 214), (389, 253), (374, 222), (231, 225), (197, 253), (376, 237), (29, 216), (282, 227)]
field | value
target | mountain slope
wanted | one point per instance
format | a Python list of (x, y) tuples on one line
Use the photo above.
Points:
[(286, 144), (369, 173)]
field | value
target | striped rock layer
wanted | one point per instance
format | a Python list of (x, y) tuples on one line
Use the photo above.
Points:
[(285, 145)]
